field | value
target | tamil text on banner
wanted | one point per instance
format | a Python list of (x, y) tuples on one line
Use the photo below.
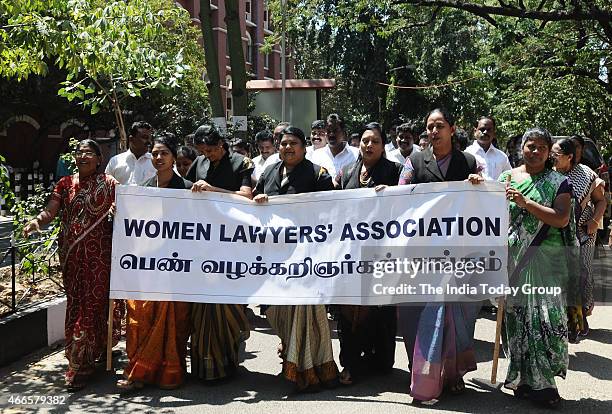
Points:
[(414, 243)]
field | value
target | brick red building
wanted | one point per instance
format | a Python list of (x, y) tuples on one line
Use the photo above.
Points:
[(28, 138), (255, 25)]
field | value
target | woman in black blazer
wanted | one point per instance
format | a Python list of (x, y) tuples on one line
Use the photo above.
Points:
[(453, 322), (441, 161), (367, 333)]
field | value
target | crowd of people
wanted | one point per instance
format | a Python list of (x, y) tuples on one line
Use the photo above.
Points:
[(554, 201)]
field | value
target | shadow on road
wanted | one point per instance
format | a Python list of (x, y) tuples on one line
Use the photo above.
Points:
[(594, 365), (600, 335)]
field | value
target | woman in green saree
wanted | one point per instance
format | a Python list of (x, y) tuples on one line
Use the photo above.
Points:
[(541, 227)]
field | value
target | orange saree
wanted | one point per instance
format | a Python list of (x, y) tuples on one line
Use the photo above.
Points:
[(157, 334)]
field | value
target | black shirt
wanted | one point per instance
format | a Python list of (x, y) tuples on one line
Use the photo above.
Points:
[(233, 171), (306, 177)]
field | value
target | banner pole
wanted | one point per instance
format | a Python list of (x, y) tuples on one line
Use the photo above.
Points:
[(498, 325), (109, 338)]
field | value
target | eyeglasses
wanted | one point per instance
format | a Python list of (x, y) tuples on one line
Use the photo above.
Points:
[(557, 154), (86, 154)]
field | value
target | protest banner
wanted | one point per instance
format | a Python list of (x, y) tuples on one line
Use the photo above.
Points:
[(425, 242)]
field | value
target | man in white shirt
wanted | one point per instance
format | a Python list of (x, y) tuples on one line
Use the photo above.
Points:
[(492, 161), (134, 166), (392, 135), (265, 144), (274, 158), (336, 154), (318, 137), (406, 134)]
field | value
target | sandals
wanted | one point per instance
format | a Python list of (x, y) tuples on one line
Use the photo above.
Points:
[(345, 377), (546, 398), (458, 387), (279, 351), (552, 403), (429, 403), (585, 330), (127, 385), (75, 386), (522, 391), (75, 382)]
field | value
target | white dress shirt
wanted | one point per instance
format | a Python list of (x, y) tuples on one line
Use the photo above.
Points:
[(131, 171), (493, 161), (396, 155), (309, 151), (272, 159), (260, 165), (324, 158), (389, 146)]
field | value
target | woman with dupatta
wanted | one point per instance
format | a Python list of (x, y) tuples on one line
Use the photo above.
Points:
[(591, 204), (157, 331), (217, 329), (306, 348), (589, 191), (84, 201), (438, 336), (367, 333), (539, 237)]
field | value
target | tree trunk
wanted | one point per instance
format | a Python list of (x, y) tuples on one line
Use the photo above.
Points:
[(238, 65), (123, 142), (212, 66)]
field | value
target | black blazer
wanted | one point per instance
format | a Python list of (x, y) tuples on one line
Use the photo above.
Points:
[(177, 182), (306, 177), (384, 172), (426, 168), (232, 172)]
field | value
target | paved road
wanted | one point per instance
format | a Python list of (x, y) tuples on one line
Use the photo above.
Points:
[(259, 389)]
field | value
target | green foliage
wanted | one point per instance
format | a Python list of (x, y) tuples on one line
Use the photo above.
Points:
[(259, 123), (558, 84), (110, 51), (6, 192), (33, 257), (68, 158), (521, 71)]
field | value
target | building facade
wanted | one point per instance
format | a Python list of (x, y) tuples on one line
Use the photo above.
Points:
[(255, 25)]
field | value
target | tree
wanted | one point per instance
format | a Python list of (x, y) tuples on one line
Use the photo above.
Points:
[(524, 62), (110, 51), (212, 65), (238, 65), (542, 10)]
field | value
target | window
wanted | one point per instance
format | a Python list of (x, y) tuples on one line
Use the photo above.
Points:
[(267, 60), (266, 18), (227, 46), (228, 98), (248, 55), (247, 10)]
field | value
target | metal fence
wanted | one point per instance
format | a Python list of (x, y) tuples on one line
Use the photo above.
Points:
[(29, 255)]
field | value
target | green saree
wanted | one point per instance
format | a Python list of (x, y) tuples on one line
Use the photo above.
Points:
[(536, 322)]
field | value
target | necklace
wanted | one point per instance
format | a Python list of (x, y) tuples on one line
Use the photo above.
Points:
[(364, 178)]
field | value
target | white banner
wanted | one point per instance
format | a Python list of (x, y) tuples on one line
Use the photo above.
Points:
[(426, 242)]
